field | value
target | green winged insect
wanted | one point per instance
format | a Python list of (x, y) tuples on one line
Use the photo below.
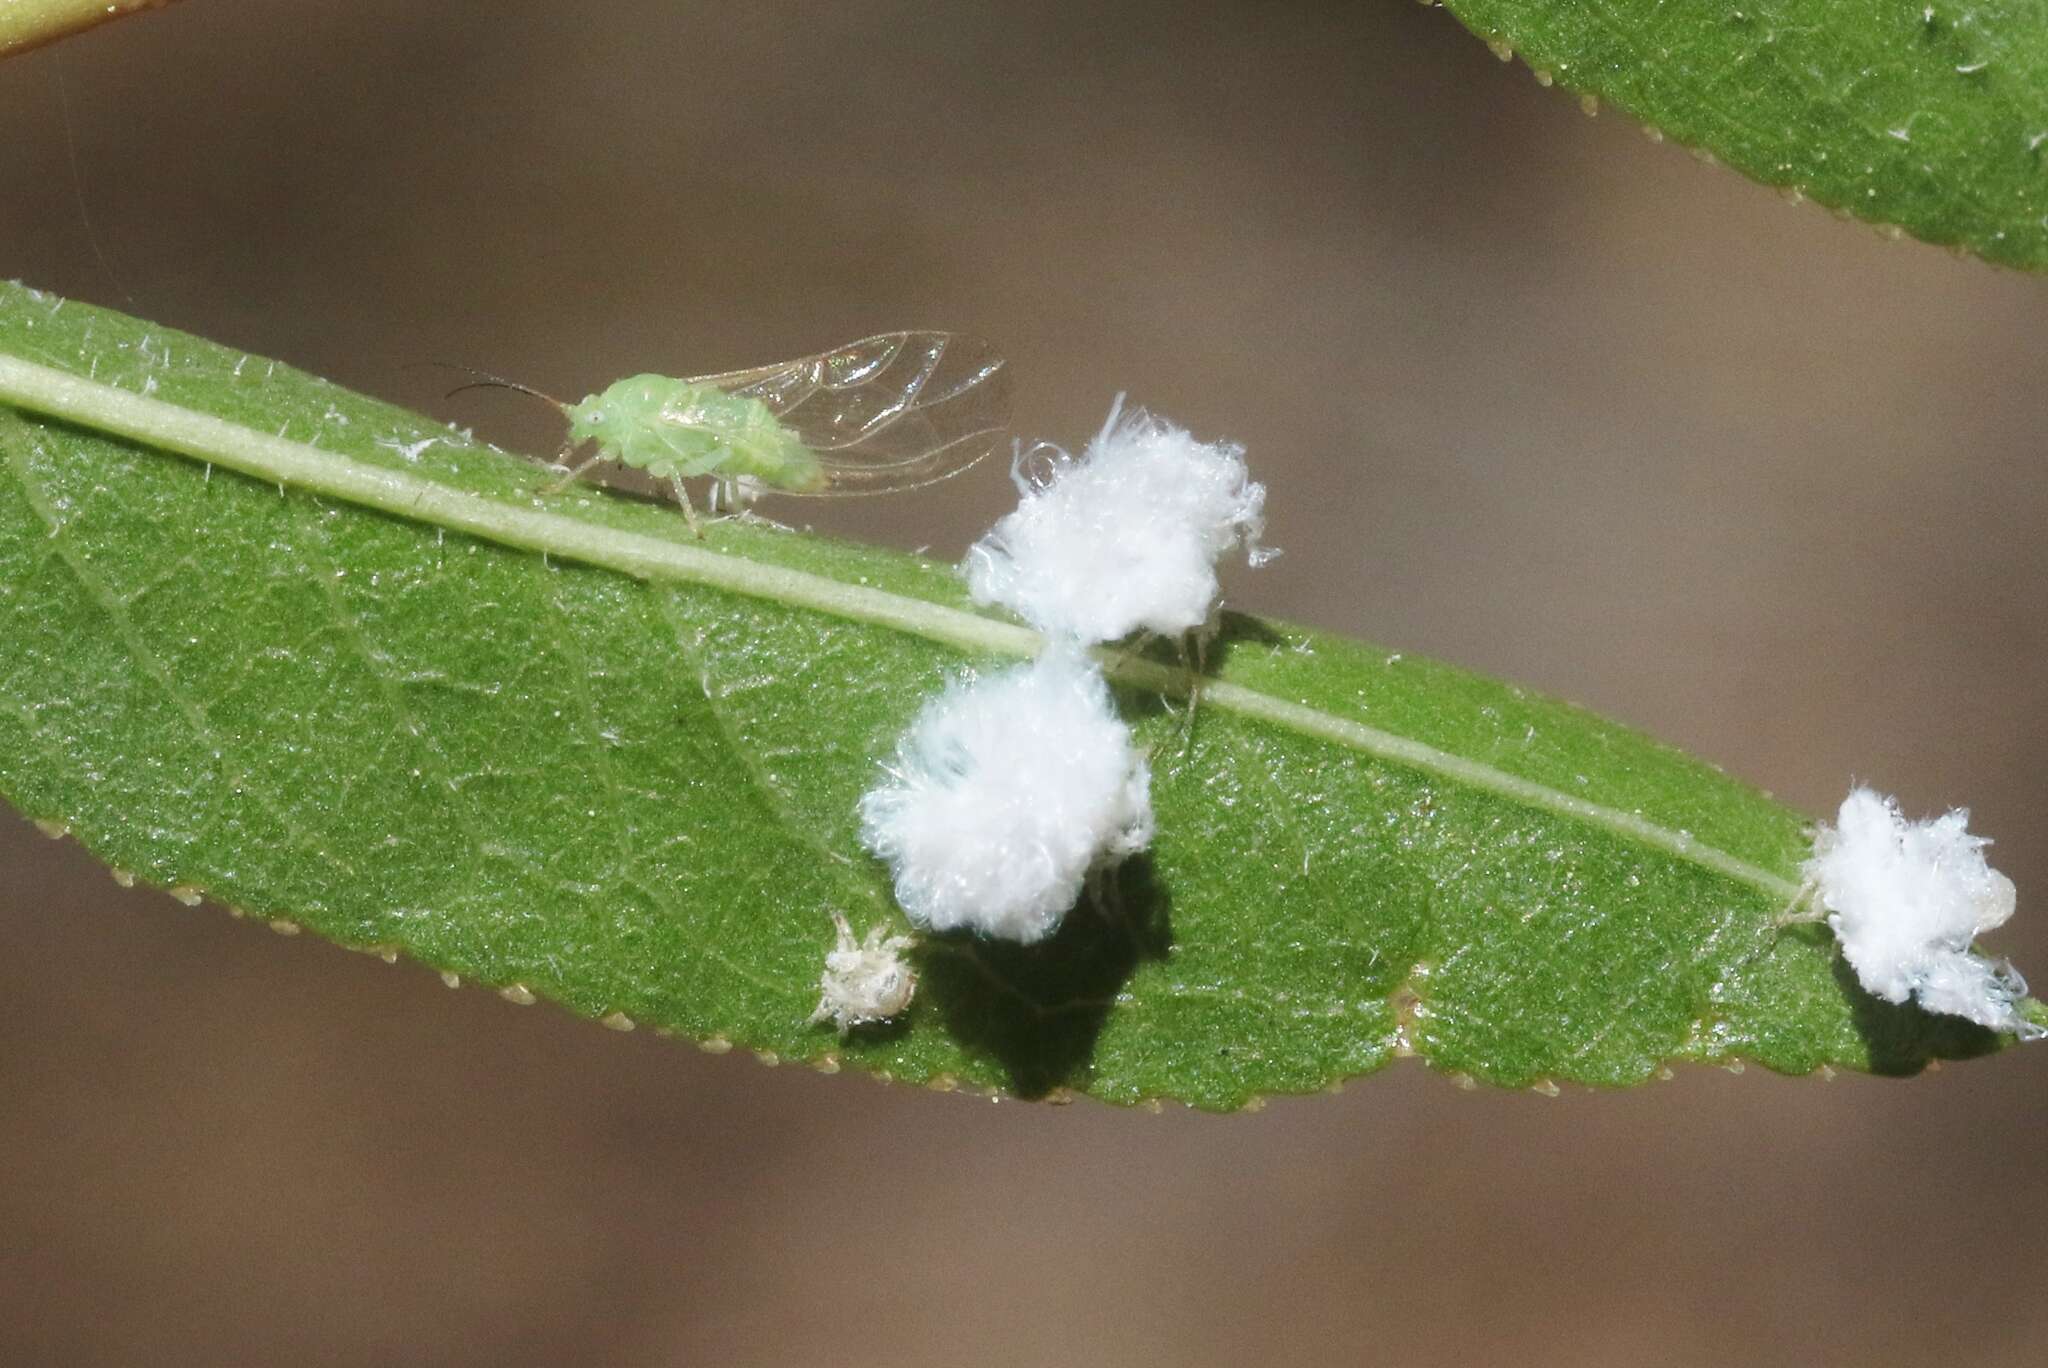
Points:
[(886, 413)]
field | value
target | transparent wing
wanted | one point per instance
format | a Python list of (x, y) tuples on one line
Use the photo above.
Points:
[(889, 412)]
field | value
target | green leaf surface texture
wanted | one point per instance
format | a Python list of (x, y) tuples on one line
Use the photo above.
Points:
[(1928, 116), (558, 746)]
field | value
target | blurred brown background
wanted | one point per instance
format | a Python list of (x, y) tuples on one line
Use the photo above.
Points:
[(1531, 394)]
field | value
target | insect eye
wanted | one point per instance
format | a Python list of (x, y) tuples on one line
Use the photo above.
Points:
[(597, 417)]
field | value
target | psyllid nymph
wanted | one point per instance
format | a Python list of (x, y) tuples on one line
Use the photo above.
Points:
[(886, 413)]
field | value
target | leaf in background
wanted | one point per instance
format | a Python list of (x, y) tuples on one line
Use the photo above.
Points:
[(1928, 117), (634, 793), (31, 23)]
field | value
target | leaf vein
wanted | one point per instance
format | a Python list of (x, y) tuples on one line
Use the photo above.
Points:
[(152, 666), (203, 437)]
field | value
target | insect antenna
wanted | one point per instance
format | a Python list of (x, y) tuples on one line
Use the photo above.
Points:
[(483, 379)]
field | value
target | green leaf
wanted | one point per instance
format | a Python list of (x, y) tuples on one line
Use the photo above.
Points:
[(1926, 117), (373, 685)]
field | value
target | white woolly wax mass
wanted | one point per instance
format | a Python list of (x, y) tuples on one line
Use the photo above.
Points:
[(865, 981), (1005, 793), (1125, 538), (1906, 900)]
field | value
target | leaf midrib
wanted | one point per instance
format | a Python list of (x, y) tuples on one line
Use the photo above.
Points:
[(277, 460)]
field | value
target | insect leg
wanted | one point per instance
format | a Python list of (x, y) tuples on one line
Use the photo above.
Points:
[(1195, 652), (1805, 907), (732, 499), (574, 474), (683, 498), (1194, 658)]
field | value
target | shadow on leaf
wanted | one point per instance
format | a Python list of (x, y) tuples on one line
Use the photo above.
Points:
[(1903, 1038), (1232, 630), (1037, 1009)]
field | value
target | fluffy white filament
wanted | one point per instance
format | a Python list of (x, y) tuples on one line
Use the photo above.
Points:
[(1906, 900), (1005, 793), (1125, 538), (1008, 792)]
